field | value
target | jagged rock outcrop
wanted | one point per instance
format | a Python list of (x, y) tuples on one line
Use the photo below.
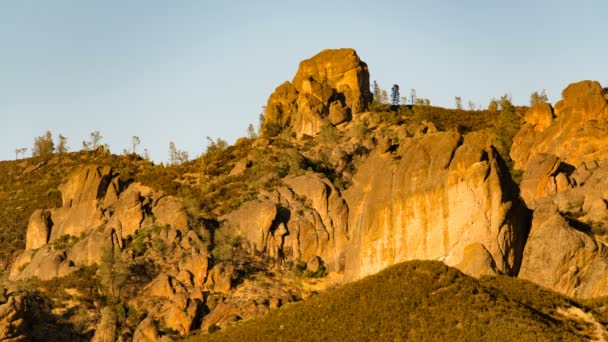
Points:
[(577, 133), (327, 89), (564, 180), (564, 258), (99, 210), (306, 218), (441, 197)]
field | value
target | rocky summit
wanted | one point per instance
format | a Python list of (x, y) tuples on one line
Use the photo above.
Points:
[(380, 219), (327, 89)]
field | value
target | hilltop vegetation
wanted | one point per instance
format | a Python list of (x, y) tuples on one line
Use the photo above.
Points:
[(422, 301)]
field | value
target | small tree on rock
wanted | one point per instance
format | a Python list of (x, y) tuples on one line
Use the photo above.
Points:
[(536, 98), (113, 273)]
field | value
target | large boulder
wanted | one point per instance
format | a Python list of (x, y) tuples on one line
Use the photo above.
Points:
[(255, 220), (544, 175), (327, 89), (540, 116), (561, 254), (438, 197)]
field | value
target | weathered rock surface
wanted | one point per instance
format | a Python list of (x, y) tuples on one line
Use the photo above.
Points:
[(44, 264), (564, 181), (146, 331), (433, 198), (327, 89), (563, 258), (38, 229), (577, 134), (306, 218), (544, 175)]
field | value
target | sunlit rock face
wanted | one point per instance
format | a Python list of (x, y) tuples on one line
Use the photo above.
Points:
[(441, 197), (327, 89)]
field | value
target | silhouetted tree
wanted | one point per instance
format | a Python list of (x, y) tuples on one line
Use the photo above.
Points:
[(395, 95)]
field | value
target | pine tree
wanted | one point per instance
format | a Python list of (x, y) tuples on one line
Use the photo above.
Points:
[(62, 147), (377, 92), (507, 126), (113, 273), (395, 95), (134, 142), (251, 132)]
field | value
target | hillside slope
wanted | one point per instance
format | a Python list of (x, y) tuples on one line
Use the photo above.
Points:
[(423, 300)]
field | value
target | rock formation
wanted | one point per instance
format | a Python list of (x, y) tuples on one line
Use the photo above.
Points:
[(382, 192), (98, 211), (563, 157), (576, 133), (327, 89), (303, 219), (439, 197)]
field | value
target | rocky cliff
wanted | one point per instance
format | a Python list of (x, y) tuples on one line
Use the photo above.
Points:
[(563, 155), (439, 197)]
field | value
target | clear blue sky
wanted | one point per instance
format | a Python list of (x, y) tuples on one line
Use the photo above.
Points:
[(183, 70)]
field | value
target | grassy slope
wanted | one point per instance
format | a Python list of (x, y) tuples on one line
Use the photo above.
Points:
[(419, 300)]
